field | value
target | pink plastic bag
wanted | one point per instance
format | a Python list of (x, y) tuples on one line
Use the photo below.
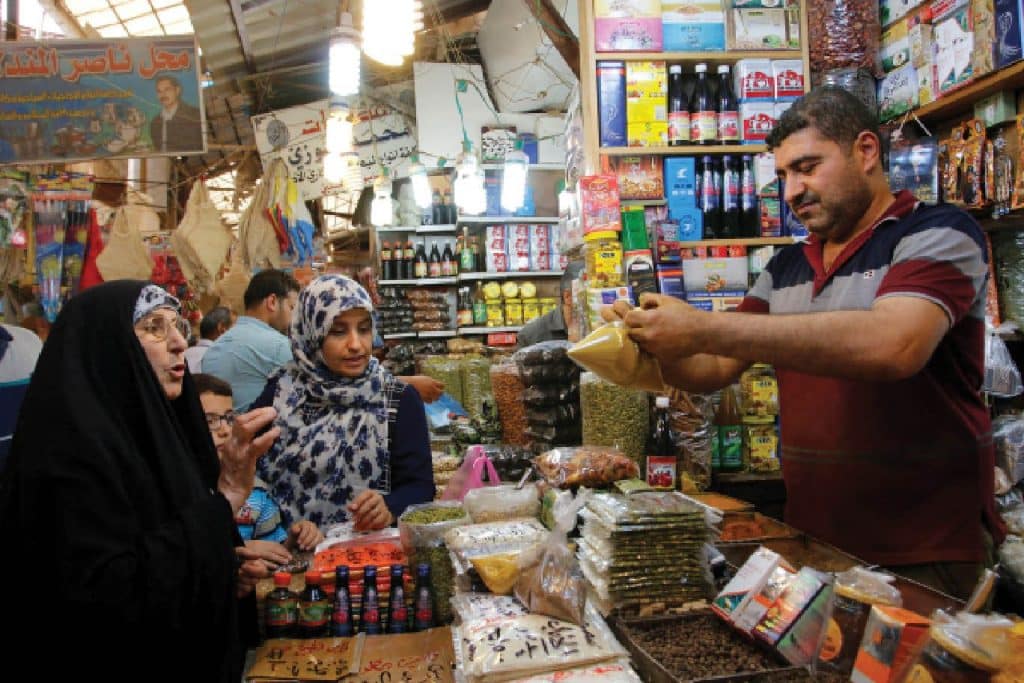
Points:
[(470, 475)]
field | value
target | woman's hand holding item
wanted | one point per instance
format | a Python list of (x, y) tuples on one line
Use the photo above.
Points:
[(304, 535), (272, 552), (369, 512), (251, 569), (238, 464), (427, 387)]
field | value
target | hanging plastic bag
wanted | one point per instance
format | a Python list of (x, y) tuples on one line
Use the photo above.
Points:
[(125, 257), (550, 580), (470, 475), (609, 353), (1002, 378), (255, 228)]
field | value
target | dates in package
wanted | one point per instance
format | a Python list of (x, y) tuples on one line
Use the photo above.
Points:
[(541, 248), (519, 248), (496, 246), (599, 200), (755, 80)]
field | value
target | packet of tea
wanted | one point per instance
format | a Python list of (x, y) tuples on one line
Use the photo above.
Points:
[(609, 353)]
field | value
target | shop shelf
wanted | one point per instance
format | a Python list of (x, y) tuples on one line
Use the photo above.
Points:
[(399, 335), (683, 150), (437, 334), (712, 58), (490, 220), (489, 330), (744, 241), (552, 166), (420, 282), (464, 277)]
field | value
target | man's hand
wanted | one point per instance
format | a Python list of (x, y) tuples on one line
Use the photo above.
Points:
[(238, 461), (250, 571), (369, 511), (304, 535), (663, 325), (428, 388), (270, 551)]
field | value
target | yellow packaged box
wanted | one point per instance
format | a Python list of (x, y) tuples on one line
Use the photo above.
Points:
[(889, 638), (647, 134), (646, 80), (644, 109)]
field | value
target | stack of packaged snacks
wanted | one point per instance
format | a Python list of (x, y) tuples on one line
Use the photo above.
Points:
[(644, 549), (551, 382)]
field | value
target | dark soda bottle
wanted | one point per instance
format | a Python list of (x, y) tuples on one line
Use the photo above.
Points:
[(434, 262), (386, 262), (410, 258), (728, 109), (661, 450), (708, 198), (398, 613), (449, 266), (313, 608), (730, 198), (438, 212), (281, 610), (423, 617), (678, 108), (703, 114), (369, 618), (750, 216), (420, 268), (342, 618)]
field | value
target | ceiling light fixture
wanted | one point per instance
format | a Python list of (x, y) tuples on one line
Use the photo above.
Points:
[(344, 57), (389, 29), (381, 210)]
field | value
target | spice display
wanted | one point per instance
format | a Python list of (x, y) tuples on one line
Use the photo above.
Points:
[(494, 503), (856, 590), (508, 392), (613, 415), (642, 549), (499, 649), (422, 529), (590, 466)]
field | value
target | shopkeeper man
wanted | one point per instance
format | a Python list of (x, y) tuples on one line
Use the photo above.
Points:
[(875, 327)]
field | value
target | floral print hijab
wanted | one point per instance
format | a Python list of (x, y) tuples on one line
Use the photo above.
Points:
[(334, 440)]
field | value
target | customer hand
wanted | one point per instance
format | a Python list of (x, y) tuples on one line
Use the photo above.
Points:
[(239, 455), (428, 388), (304, 535), (369, 511), (250, 571), (270, 551)]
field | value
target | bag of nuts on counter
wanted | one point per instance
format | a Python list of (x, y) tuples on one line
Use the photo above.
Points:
[(609, 353), (589, 466)]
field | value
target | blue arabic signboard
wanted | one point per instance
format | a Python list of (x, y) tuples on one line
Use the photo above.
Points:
[(71, 100)]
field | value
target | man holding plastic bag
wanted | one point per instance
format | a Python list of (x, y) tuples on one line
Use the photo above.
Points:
[(876, 329)]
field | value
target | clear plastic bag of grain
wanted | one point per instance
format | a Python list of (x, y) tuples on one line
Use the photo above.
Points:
[(691, 416), (448, 371), (614, 416), (476, 384), (508, 394)]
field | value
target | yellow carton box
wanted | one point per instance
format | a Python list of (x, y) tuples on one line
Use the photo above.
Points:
[(647, 134)]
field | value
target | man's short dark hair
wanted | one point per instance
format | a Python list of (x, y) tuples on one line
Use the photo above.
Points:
[(221, 315), (572, 272), (837, 114), (170, 79), (208, 384), (267, 282)]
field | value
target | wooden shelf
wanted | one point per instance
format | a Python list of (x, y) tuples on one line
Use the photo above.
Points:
[(684, 150), (491, 220), (1013, 222), (542, 166), (743, 241), (962, 101), (436, 334), (418, 229), (747, 477), (719, 56), (419, 282), (464, 277), (399, 335), (488, 330), (643, 202)]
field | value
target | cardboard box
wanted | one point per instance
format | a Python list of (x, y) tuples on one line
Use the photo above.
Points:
[(680, 182), (800, 644), (693, 25), (954, 50), (639, 177), (788, 75), (921, 39), (670, 280), (747, 583), (755, 80), (599, 204), (691, 222), (793, 36), (995, 109), (983, 58), (757, 120), (646, 81), (925, 84), (626, 26), (894, 50), (758, 29), (717, 302), (647, 134), (703, 274), (889, 638), (611, 103), (898, 92), (790, 605), (1008, 47), (891, 10), (638, 267)]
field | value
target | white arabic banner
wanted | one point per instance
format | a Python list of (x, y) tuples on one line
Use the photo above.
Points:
[(298, 136)]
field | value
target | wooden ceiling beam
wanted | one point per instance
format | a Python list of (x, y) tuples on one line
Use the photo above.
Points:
[(557, 31)]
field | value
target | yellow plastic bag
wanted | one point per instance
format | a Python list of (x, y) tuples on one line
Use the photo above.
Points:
[(610, 354), (498, 572)]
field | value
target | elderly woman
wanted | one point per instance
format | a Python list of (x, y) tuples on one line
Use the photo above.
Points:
[(115, 504), (354, 444)]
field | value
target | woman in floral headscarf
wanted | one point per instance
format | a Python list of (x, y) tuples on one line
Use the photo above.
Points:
[(354, 444)]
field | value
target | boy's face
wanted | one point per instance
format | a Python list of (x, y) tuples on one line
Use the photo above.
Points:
[(215, 408)]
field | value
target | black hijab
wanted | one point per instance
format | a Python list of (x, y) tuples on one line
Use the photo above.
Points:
[(110, 496)]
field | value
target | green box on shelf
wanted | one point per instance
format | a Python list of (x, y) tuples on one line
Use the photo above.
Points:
[(995, 109)]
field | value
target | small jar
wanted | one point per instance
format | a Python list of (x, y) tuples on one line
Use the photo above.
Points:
[(531, 310), (548, 304), (760, 392), (495, 313), (849, 618), (513, 312), (528, 290), (510, 290), (492, 290), (950, 658), (602, 254)]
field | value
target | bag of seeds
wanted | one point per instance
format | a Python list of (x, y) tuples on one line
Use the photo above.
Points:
[(422, 529), (550, 580), (613, 415), (609, 353)]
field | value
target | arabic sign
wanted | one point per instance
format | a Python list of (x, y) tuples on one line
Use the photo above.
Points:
[(296, 135), (70, 100), (381, 131)]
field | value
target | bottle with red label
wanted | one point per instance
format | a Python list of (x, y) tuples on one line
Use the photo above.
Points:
[(678, 108), (728, 109), (369, 615), (281, 608), (313, 608), (703, 115)]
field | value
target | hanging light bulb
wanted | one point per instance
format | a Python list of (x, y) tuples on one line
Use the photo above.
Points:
[(334, 169), (470, 195), (420, 183), (344, 59), (339, 129), (389, 29), (513, 178), (352, 174), (381, 210)]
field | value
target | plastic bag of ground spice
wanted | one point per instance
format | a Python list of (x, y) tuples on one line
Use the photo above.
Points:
[(508, 394), (609, 353), (422, 529), (550, 580), (843, 34)]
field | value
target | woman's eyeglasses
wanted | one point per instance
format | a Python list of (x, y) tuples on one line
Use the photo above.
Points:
[(215, 420), (159, 327)]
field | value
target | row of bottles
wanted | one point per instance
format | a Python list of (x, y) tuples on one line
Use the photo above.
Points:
[(441, 211), (727, 197), (706, 118), (324, 610), (406, 261)]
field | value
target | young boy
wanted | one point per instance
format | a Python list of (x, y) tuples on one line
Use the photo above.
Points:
[(259, 520)]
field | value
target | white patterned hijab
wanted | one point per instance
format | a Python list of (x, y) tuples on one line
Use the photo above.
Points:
[(334, 440)]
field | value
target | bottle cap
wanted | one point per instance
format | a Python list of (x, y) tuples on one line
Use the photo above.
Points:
[(341, 570), (661, 402), (312, 576), (723, 68), (282, 579), (701, 68), (422, 569), (397, 569), (675, 69), (369, 570)]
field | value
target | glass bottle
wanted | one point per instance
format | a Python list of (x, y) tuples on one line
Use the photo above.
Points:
[(342, 618), (750, 216), (479, 305), (708, 197), (281, 609), (661, 449), (438, 212), (386, 264), (369, 617), (729, 424), (313, 608), (423, 617), (434, 263), (703, 117), (479, 260), (465, 308), (678, 108), (467, 259), (398, 613), (730, 226), (420, 267), (452, 213), (410, 259), (449, 267), (728, 110)]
